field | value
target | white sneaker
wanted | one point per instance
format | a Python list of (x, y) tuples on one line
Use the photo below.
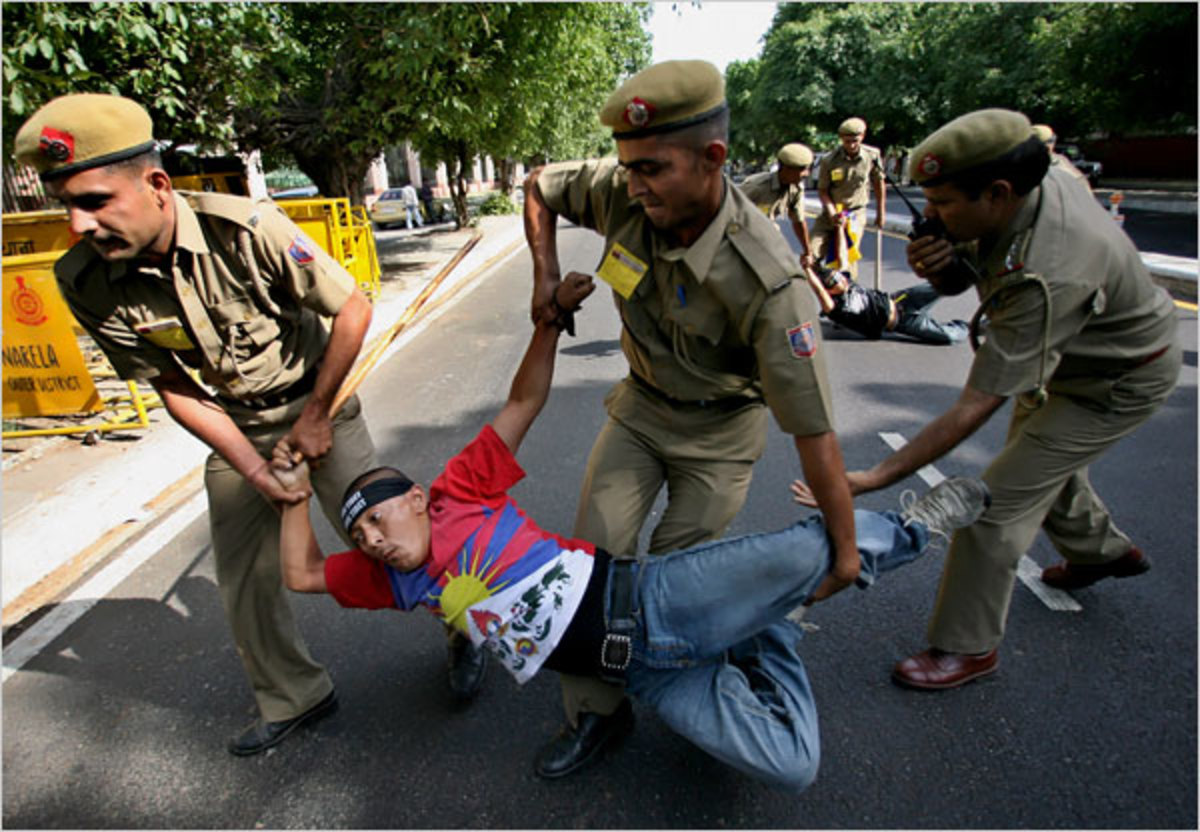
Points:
[(950, 505)]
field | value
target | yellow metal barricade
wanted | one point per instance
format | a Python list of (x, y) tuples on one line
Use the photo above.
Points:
[(35, 232), (344, 232), (45, 373)]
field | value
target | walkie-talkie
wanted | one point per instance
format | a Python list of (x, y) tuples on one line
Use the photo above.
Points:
[(959, 275), (922, 226)]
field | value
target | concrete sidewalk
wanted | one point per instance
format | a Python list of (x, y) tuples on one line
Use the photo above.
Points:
[(68, 508)]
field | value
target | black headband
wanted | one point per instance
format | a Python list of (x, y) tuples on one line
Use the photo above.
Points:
[(371, 494)]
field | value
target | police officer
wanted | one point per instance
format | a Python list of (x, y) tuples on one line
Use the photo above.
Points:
[(715, 331), (782, 191), (169, 283), (1075, 331), (1046, 134), (848, 174)]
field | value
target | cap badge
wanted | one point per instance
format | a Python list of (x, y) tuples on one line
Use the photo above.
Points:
[(56, 144), (638, 112), (931, 165)]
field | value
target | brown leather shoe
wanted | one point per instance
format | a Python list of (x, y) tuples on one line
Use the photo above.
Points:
[(935, 669), (1067, 575)]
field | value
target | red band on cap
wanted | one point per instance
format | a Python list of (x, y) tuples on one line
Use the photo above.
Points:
[(57, 144), (639, 112)]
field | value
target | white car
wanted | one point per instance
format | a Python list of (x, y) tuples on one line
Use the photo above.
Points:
[(388, 209)]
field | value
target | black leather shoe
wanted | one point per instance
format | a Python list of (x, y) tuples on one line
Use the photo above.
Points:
[(468, 666), (261, 735), (575, 747), (1067, 575)]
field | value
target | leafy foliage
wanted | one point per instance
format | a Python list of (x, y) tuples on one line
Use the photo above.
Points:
[(184, 62), (329, 85), (910, 67)]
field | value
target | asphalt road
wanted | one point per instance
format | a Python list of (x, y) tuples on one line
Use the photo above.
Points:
[(1091, 721)]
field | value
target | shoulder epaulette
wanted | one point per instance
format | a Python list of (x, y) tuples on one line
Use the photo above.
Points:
[(236, 209), (766, 254)]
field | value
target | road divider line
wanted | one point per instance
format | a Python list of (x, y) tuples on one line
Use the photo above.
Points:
[(38, 637), (1028, 571)]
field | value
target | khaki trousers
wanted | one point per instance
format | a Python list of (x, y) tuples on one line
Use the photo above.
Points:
[(1040, 481), (245, 535), (704, 456)]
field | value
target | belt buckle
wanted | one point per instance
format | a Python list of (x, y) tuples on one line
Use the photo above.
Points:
[(616, 651)]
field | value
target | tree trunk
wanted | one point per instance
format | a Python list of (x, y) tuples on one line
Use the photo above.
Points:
[(458, 188), (334, 175), (506, 176)]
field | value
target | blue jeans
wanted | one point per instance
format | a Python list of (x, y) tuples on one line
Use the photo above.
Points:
[(411, 212), (915, 319), (714, 655)]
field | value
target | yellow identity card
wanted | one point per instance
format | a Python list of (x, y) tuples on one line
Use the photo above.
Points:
[(167, 333), (622, 270)]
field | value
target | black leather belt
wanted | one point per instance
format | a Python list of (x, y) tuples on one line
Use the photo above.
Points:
[(724, 403), (617, 648), (278, 398)]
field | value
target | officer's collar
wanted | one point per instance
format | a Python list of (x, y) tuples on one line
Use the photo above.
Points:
[(188, 234), (995, 257), (699, 255)]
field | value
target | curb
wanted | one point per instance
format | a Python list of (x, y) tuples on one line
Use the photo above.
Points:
[(55, 556)]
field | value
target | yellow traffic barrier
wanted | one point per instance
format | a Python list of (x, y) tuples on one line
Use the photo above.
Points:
[(343, 232), (224, 182), (36, 232), (45, 373)]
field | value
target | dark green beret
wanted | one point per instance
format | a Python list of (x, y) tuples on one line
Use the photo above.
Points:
[(967, 142), (852, 127), (665, 97), (87, 130), (795, 155)]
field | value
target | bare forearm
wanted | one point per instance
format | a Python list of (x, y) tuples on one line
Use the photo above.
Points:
[(530, 387), (936, 439), (819, 290), (825, 471), (346, 335), (541, 234), (801, 229), (826, 203), (300, 559), (202, 417), (531, 384)]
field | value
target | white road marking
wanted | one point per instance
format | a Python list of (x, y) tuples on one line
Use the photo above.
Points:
[(72, 608), (1028, 571)]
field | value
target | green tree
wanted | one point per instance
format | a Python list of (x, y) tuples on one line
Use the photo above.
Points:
[(526, 83), (1119, 67), (186, 63), (909, 67)]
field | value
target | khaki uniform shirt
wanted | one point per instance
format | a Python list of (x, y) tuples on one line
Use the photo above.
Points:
[(1106, 313), (848, 181), (201, 308), (773, 197), (721, 317), (1061, 161)]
